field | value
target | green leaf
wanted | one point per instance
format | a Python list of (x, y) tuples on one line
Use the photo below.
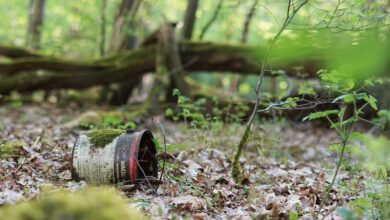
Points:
[(345, 98), (176, 92), (322, 114), (371, 100), (292, 215), (345, 122), (361, 96)]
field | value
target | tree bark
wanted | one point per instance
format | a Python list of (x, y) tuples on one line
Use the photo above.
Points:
[(123, 40), (124, 20), (35, 23), (189, 19), (172, 55)]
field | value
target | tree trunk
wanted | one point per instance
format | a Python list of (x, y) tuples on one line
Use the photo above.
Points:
[(102, 27), (244, 38), (189, 19), (124, 20), (121, 39), (167, 37), (35, 23)]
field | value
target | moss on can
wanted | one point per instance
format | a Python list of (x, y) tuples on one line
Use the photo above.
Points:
[(102, 137)]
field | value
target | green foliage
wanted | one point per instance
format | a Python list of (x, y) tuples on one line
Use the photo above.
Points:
[(374, 203), (170, 147), (102, 137), (306, 89), (292, 216), (373, 157), (323, 114), (99, 120), (193, 112), (383, 119), (10, 149), (89, 204)]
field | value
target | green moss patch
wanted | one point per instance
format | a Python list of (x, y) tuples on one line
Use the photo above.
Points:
[(10, 149), (96, 204), (102, 137)]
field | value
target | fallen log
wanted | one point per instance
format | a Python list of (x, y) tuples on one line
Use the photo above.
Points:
[(196, 57), (16, 52), (21, 74)]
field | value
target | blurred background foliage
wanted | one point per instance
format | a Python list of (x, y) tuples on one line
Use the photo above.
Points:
[(72, 29)]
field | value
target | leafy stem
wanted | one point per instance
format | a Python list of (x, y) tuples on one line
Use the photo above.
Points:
[(344, 134), (291, 12)]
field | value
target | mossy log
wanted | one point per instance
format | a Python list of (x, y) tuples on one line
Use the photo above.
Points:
[(16, 52), (22, 73)]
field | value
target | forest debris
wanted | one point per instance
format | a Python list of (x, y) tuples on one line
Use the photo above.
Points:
[(20, 178), (10, 197), (188, 203), (193, 168)]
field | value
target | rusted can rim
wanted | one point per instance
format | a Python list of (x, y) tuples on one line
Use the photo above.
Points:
[(134, 165)]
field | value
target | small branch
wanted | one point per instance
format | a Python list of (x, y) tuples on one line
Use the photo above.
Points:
[(158, 123), (212, 19), (248, 19), (334, 13)]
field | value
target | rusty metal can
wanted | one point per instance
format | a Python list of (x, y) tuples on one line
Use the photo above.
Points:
[(130, 157)]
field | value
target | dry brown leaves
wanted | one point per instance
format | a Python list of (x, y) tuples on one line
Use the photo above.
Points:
[(286, 168)]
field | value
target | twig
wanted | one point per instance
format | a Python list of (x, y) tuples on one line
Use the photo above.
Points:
[(157, 122), (344, 136), (212, 19), (248, 19), (334, 12)]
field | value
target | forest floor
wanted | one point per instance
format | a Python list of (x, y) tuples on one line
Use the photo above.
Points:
[(287, 167)]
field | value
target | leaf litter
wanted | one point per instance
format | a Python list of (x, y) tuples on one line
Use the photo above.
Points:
[(286, 167)]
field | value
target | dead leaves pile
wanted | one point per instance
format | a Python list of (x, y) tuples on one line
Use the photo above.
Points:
[(288, 175), (41, 154)]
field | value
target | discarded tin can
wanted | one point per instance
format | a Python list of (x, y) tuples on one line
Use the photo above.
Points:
[(130, 157)]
